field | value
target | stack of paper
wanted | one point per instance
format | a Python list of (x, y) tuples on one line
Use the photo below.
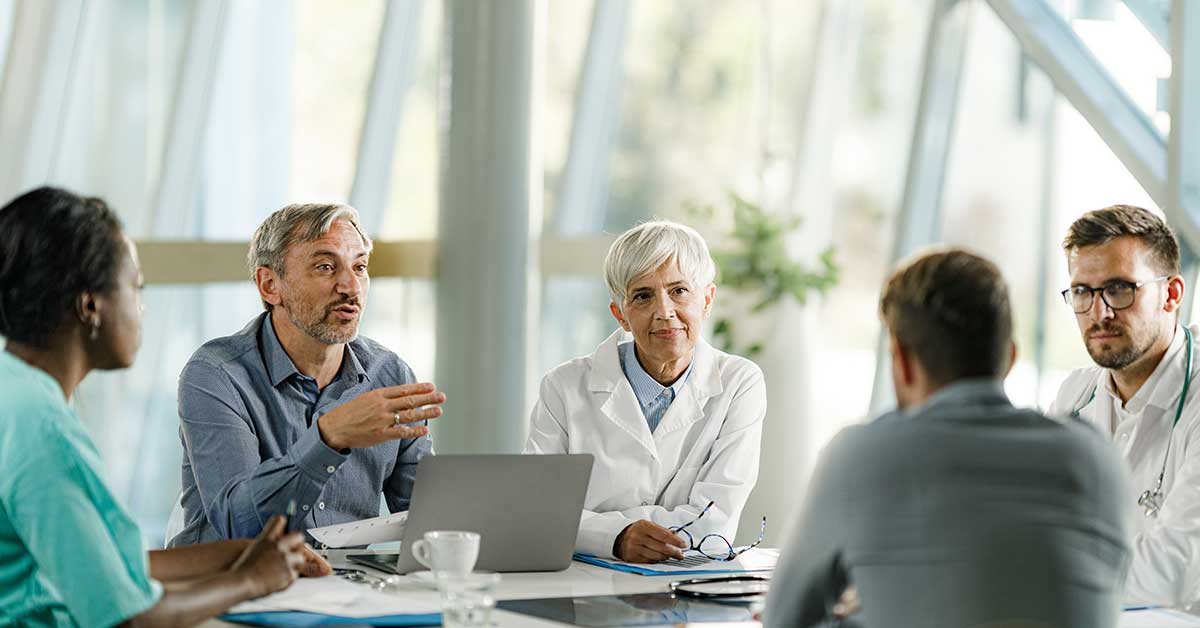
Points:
[(334, 596), (378, 530), (1156, 618)]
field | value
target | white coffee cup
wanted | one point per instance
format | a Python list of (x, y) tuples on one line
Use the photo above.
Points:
[(447, 552)]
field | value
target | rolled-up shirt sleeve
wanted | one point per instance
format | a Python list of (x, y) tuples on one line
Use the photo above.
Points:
[(239, 488)]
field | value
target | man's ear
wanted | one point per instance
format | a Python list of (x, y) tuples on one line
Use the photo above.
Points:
[(616, 312), (902, 361), (1012, 358), (268, 285), (1176, 288)]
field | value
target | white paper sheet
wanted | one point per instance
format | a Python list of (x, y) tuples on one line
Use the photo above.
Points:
[(378, 530), (1157, 618), (332, 595)]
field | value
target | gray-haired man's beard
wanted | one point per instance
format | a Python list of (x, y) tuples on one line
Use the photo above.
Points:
[(318, 325)]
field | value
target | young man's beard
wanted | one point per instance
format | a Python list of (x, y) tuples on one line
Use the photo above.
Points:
[(1117, 360)]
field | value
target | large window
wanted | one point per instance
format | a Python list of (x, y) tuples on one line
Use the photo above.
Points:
[(642, 109)]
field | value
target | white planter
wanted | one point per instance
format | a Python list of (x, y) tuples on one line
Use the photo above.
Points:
[(784, 329)]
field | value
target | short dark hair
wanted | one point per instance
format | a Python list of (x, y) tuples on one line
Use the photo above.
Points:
[(1102, 225), (950, 309), (54, 246)]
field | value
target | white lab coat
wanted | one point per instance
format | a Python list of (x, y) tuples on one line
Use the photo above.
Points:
[(705, 448), (1165, 568)]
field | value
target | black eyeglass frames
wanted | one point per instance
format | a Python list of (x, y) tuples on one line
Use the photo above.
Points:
[(1117, 295), (715, 546)]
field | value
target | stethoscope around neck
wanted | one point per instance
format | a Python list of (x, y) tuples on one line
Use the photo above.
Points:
[(1151, 500)]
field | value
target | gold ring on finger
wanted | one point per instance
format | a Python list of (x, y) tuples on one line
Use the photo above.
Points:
[(396, 418)]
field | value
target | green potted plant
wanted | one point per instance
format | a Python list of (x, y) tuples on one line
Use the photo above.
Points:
[(754, 262)]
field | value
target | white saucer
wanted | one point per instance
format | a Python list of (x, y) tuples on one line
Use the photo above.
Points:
[(427, 580), (424, 578)]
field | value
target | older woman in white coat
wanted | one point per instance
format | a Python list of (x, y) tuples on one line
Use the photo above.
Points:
[(673, 423)]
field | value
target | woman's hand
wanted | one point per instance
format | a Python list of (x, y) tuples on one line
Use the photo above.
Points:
[(647, 542), (273, 561)]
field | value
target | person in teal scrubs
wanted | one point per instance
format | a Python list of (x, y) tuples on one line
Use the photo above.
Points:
[(70, 555)]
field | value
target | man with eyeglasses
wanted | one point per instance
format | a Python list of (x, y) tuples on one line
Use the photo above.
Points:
[(1127, 294), (957, 509)]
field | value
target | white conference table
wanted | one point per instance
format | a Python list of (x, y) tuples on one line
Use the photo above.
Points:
[(577, 581), (587, 580)]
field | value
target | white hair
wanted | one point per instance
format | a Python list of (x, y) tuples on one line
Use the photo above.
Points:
[(646, 247)]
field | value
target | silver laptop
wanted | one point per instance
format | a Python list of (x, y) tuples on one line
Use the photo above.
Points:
[(525, 508)]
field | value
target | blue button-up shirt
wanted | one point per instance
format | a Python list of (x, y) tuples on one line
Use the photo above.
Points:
[(248, 422), (653, 397)]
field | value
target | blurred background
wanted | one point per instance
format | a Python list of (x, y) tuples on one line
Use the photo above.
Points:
[(494, 148)]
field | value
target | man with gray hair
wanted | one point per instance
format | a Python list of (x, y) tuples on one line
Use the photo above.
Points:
[(296, 408)]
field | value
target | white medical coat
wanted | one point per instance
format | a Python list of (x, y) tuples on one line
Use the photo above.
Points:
[(1166, 549), (705, 448)]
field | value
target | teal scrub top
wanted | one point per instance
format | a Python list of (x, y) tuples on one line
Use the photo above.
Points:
[(69, 553)]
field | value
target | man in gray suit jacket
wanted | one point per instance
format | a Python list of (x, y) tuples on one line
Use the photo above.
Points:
[(957, 509)]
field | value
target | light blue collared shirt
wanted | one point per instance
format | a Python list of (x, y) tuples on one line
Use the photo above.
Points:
[(653, 397)]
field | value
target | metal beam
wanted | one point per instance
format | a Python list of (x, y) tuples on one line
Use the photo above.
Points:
[(1183, 148), (919, 221), (1182, 206), (582, 200), (830, 86), (391, 77), (1153, 14), (43, 54), (583, 193), (1050, 42), (173, 206)]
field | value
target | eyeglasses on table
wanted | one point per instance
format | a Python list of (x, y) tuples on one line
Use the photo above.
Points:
[(715, 546)]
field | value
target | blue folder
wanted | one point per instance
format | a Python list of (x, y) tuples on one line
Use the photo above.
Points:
[(303, 619), (651, 571)]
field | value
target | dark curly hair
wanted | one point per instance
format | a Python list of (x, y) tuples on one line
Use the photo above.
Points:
[(54, 246)]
